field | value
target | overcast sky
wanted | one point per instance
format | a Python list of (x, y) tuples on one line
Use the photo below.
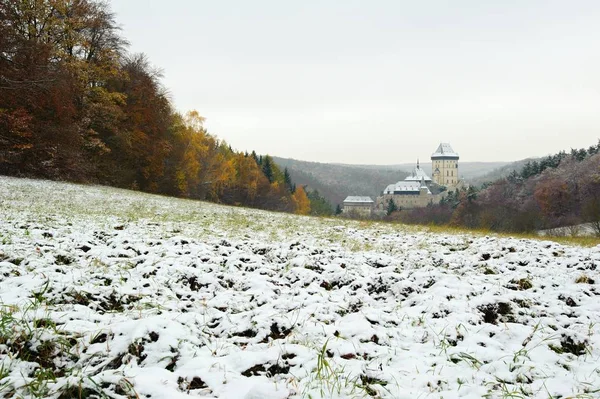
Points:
[(379, 82)]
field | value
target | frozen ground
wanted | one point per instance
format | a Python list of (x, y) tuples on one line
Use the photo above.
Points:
[(112, 294), (579, 230)]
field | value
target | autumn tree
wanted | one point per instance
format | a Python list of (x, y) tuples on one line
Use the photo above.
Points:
[(74, 105), (553, 196), (301, 201)]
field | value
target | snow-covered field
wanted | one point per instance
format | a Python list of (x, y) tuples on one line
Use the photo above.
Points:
[(111, 294), (579, 230)]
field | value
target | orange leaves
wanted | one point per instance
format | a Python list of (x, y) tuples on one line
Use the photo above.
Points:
[(301, 202), (17, 124)]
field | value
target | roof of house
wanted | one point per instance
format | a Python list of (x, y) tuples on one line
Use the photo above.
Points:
[(418, 174), (356, 198), (405, 186), (444, 150)]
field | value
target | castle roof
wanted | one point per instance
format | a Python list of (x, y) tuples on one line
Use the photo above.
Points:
[(358, 199), (405, 187), (418, 174), (444, 150)]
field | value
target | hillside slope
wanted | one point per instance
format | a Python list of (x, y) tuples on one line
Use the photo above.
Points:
[(336, 182), (500, 172), (112, 293)]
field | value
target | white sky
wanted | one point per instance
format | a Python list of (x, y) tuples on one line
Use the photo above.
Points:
[(379, 82)]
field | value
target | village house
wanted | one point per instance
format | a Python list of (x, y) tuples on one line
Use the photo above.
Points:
[(358, 206)]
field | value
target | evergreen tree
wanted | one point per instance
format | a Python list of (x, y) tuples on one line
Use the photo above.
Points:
[(287, 180), (319, 206), (513, 177), (391, 207), (471, 194), (535, 168), (267, 168)]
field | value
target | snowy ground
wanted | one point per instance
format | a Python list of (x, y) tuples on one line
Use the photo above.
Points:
[(114, 294), (579, 230)]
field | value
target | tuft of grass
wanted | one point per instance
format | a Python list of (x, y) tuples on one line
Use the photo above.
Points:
[(568, 345), (333, 381), (467, 358), (584, 279), (522, 284), (4, 373)]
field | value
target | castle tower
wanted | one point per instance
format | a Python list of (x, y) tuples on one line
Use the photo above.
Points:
[(445, 166)]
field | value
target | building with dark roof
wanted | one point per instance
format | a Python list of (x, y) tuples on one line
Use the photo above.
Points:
[(444, 165), (358, 206)]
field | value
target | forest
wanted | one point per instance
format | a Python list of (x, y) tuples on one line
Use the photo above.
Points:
[(558, 190), (75, 105)]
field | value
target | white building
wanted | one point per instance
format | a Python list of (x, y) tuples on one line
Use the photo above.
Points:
[(358, 206), (406, 194)]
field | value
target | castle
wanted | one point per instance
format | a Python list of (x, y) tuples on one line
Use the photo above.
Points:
[(418, 189)]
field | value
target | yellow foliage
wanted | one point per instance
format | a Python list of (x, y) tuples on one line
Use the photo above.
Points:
[(301, 201), (181, 182), (247, 175), (193, 120)]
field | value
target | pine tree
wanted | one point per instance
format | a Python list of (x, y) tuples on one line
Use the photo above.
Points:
[(287, 180), (267, 168), (392, 207), (319, 206)]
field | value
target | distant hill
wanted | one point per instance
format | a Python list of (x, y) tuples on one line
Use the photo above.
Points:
[(500, 172), (336, 181)]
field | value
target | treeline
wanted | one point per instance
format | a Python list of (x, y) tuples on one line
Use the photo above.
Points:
[(74, 105), (533, 168), (559, 190)]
